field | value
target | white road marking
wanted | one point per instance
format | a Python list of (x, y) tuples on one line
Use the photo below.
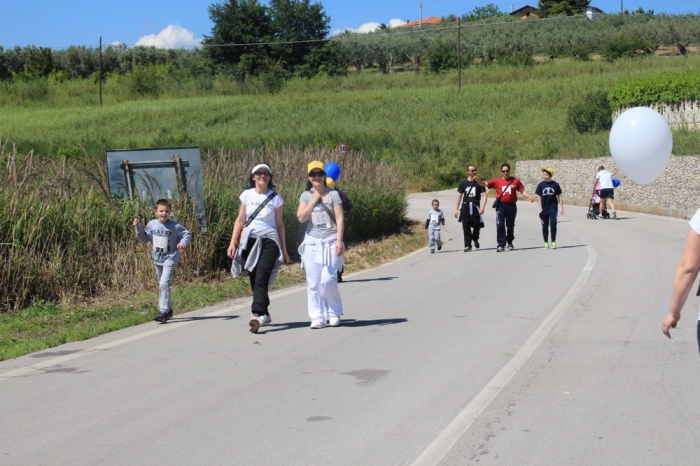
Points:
[(164, 328), (444, 442)]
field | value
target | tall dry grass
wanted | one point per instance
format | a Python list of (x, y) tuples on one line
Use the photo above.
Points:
[(63, 237)]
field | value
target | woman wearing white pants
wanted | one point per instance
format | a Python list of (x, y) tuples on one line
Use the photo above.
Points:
[(322, 250)]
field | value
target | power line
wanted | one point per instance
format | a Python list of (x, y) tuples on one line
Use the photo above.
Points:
[(674, 3)]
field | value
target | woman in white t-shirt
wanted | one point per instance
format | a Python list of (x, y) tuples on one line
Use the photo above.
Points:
[(322, 250), (261, 248), (685, 277)]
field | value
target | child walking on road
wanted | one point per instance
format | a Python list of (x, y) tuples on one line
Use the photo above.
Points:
[(549, 193), (433, 223), (169, 239)]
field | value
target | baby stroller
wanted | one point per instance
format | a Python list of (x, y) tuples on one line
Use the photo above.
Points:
[(594, 207)]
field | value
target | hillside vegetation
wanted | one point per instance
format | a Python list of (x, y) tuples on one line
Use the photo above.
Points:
[(418, 122)]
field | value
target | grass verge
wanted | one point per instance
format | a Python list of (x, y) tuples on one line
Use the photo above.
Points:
[(45, 325)]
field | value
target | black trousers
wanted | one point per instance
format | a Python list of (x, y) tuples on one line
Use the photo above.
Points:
[(549, 221), (505, 223), (260, 276), (471, 225)]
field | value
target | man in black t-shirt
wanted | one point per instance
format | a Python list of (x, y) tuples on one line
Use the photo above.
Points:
[(471, 201)]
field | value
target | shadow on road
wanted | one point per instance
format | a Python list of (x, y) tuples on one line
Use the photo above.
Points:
[(369, 323), (190, 319), (382, 279), (343, 323), (529, 249)]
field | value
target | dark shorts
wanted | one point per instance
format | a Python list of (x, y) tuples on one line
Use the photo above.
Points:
[(607, 193)]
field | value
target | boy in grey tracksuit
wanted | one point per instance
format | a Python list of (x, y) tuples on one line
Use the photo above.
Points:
[(168, 239), (435, 221)]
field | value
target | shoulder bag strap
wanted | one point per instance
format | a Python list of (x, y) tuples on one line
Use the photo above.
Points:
[(330, 213), (504, 190), (260, 207)]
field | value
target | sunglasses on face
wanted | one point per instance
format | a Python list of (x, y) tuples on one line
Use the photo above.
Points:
[(316, 174), (261, 173), (472, 171), (505, 171)]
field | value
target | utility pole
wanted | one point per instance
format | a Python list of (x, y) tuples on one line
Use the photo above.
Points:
[(459, 56), (421, 14), (100, 71), (620, 6)]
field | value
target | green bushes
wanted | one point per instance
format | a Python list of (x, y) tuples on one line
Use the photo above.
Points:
[(657, 89), (62, 236), (442, 56), (147, 80), (592, 114), (624, 45)]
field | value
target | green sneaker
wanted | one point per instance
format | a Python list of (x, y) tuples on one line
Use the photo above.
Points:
[(467, 249), (554, 245), (546, 245), (614, 215)]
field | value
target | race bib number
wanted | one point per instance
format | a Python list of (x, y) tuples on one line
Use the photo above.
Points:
[(160, 244), (434, 218), (321, 220)]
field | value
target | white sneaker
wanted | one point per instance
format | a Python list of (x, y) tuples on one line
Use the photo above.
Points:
[(265, 320), (254, 323), (317, 324), (334, 321)]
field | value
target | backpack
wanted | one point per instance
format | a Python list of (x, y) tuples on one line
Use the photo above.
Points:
[(347, 203)]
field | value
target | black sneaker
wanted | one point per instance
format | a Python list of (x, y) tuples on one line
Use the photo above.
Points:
[(163, 316), (440, 248), (510, 246), (499, 249), (467, 248), (476, 244)]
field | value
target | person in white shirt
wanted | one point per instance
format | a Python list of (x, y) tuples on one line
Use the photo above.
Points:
[(258, 241), (685, 277), (607, 193)]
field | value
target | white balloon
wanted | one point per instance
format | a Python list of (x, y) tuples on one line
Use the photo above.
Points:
[(641, 142)]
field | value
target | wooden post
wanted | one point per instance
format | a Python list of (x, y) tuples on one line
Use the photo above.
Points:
[(100, 71), (459, 56)]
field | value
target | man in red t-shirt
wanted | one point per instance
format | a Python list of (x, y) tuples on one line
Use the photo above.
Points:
[(507, 189)]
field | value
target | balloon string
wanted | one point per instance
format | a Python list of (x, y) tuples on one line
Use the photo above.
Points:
[(656, 252)]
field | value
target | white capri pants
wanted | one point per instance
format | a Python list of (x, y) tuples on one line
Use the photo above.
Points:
[(322, 284)]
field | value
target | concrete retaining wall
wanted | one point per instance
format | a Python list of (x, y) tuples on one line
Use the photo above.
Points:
[(675, 192)]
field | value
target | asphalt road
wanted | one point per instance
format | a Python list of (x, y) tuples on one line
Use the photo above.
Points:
[(526, 357)]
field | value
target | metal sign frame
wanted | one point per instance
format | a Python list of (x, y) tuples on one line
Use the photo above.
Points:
[(151, 174)]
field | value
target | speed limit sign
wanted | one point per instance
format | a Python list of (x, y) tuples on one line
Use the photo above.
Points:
[(342, 148)]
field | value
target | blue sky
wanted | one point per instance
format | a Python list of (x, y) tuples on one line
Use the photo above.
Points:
[(58, 24)]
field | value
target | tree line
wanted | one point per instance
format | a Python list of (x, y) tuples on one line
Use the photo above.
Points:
[(288, 38)]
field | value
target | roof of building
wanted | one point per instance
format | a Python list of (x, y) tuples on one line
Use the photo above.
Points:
[(523, 9), (429, 20)]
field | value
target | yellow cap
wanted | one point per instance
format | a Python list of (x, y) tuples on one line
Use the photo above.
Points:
[(549, 170), (315, 164)]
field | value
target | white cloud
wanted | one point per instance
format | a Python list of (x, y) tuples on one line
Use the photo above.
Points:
[(368, 27), (396, 22), (173, 36)]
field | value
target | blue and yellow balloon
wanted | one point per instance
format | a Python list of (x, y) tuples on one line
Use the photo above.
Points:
[(332, 170)]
